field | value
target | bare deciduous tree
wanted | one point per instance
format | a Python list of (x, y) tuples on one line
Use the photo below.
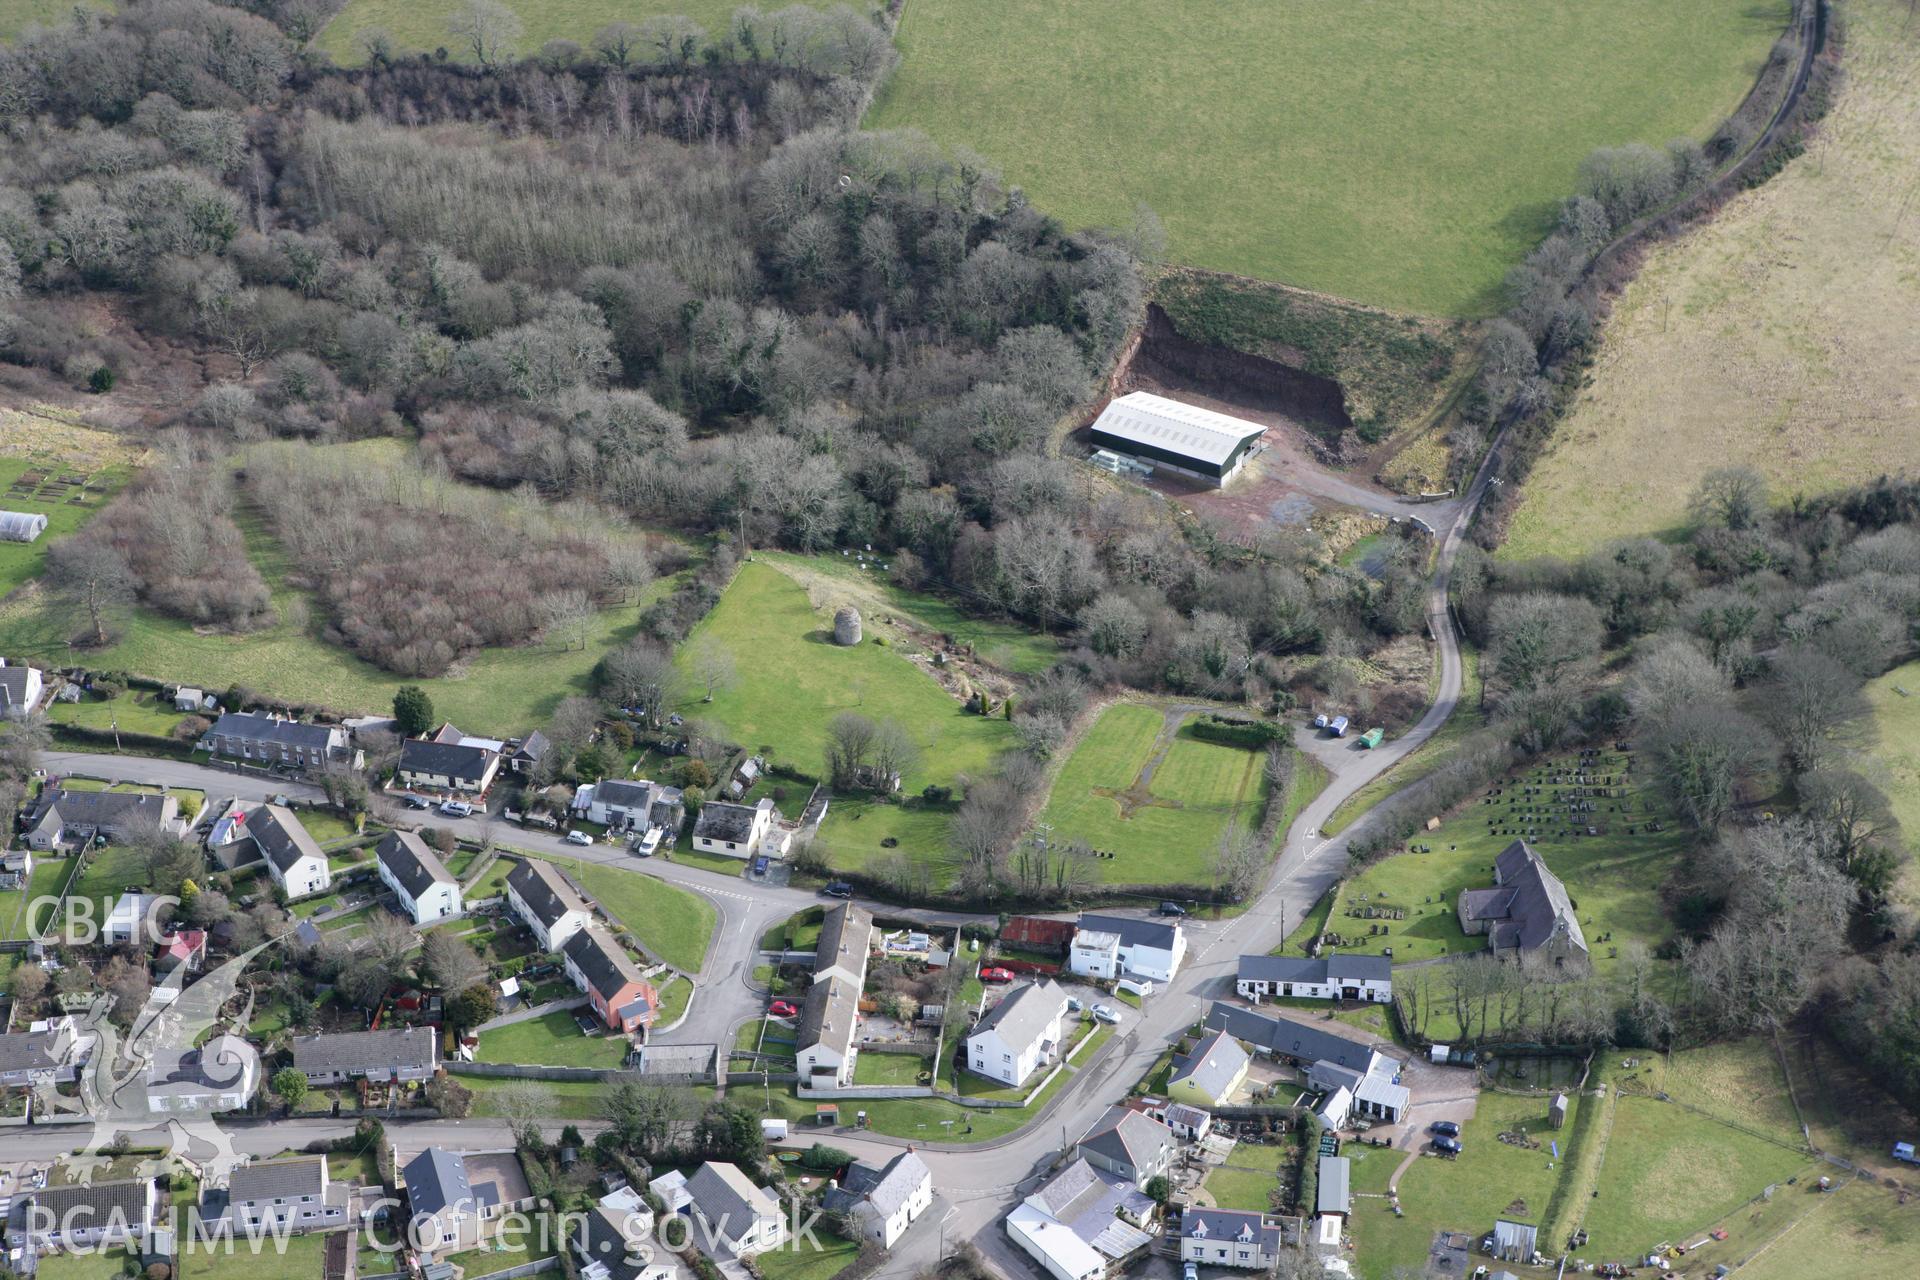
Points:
[(487, 29)]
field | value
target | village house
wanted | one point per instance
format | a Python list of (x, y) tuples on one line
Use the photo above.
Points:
[(824, 1044), (20, 689), (1527, 915), (294, 859), (64, 817), (620, 994), (1230, 1238), (1329, 977), (1129, 1144), (611, 1241), (1211, 1073), (185, 947), (421, 882), (51, 1053), (453, 1195), (466, 767), (275, 1195), (82, 1216), (736, 830), (736, 1213), (389, 1054), (547, 903), (846, 941), (883, 1201), (1019, 1034), (624, 806), (220, 1075), (1083, 1224), (1332, 1062), (523, 755), (274, 740), (1126, 947)]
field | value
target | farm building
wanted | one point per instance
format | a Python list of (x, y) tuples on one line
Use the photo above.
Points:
[(1181, 437), (21, 526)]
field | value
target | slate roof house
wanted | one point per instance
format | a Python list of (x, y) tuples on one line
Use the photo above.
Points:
[(53, 1055), (612, 1240), (295, 860), (1230, 1238), (64, 817), (20, 689), (1332, 1061), (1527, 915), (465, 767), (79, 1217), (426, 889), (392, 1053), (619, 992), (846, 940), (884, 1201), (1085, 1224), (736, 830), (547, 903), (294, 1194), (524, 755), (620, 805), (1328, 977), (744, 1217), (1211, 1074), (1123, 946), (452, 1195), (1019, 1034), (274, 740), (1129, 1144), (220, 1075), (829, 1022)]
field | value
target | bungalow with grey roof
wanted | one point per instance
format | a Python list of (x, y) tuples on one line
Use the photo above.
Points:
[(1329, 977), (73, 817), (389, 1054), (82, 1216)]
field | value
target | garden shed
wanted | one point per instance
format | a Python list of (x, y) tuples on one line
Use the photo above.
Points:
[(21, 526)]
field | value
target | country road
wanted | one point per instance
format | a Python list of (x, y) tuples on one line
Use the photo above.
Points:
[(978, 1182)]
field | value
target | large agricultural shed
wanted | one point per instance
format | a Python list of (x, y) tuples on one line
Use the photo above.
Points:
[(21, 526), (1182, 437)]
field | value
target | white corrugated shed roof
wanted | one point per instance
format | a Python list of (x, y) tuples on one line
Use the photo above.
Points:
[(1199, 433)]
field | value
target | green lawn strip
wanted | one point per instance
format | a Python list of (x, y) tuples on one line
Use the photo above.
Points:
[(1436, 751), (562, 1099), (889, 1068), (1405, 163), (674, 997), (298, 1257), (421, 25), (503, 1253), (798, 932), (551, 1040), (111, 871), (1247, 1178), (137, 711), (1895, 697), (42, 886), (673, 923), (1003, 643), (791, 680), (1613, 878), (1196, 790), (105, 1264), (1464, 1194), (804, 1262)]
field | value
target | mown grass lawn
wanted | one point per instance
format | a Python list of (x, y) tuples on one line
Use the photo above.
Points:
[(669, 921), (791, 680), (674, 997), (561, 1099), (1247, 1178), (801, 1261), (43, 886), (295, 1258), (1168, 833), (137, 711), (889, 1068), (504, 1253), (1861, 1231), (101, 1265), (110, 872), (1393, 154), (551, 1041), (1613, 878)]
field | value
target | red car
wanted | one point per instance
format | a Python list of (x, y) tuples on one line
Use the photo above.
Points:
[(782, 1009), (993, 973)]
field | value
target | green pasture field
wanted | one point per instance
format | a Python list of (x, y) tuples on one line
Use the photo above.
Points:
[(1197, 789), (1403, 155), (1896, 716), (1247, 1178), (551, 1041), (1860, 1231), (791, 680), (1613, 878), (1464, 1194), (417, 25), (669, 921), (20, 561)]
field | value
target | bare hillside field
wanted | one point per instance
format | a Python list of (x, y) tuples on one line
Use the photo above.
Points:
[(1780, 334)]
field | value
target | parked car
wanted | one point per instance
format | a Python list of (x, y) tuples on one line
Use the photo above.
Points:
[(415, 802), (838, 889), (1446, 1128), (782, 1009), (1190, 1272), (994, 973), (647, 844), (1106, 1013), (1320, 721), (1172, 909), (1075, 1004), (579, 837), (760, 865), (455, 808), (1447, 1146)]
